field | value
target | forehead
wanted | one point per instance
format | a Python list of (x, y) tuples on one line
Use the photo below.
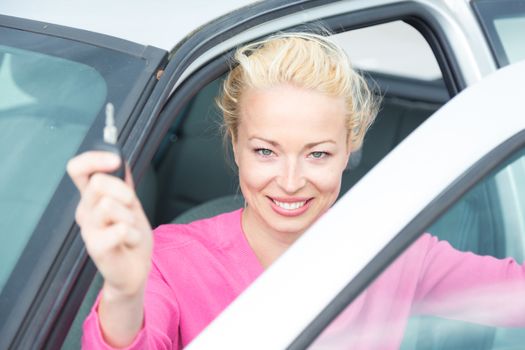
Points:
[(292, 110)]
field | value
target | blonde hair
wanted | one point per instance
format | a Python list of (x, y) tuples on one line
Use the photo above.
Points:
[(305, 60)]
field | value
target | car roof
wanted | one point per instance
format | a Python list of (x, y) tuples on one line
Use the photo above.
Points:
[(162, 23)]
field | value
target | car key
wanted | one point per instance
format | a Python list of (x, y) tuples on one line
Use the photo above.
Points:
[(109, 143)]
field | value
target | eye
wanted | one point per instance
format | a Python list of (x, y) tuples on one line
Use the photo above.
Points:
[(318, 155), (265, 152)]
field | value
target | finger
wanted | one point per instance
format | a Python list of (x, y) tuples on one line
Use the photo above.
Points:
[(104, 242), (133, 237), (81, 167), (82, 213), (104, 185), (107, 212)]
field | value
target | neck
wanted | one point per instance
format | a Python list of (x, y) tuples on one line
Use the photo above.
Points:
[(267, 244)]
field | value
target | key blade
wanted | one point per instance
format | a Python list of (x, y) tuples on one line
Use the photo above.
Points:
[(110, 130)]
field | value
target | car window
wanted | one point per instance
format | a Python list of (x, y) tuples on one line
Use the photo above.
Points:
[(428, 298), (409, 97), (508, 30), (52, 91), (504, 24), (391, 56)]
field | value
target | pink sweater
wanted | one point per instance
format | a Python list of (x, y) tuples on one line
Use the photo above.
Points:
[(199, 268)]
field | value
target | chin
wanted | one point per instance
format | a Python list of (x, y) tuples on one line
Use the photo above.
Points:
[(291, 226)]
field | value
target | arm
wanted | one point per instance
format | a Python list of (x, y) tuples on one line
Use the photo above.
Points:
[(120, 315), (470, 287), (159, 329), (118, 238)]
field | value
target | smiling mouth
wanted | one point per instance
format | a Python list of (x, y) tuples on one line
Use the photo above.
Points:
[(289, 205)]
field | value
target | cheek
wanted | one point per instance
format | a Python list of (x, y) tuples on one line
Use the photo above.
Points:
[(251, 178), (253, 175), (327, 180)]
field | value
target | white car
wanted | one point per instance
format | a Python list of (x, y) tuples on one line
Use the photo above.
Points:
[(438, 159)]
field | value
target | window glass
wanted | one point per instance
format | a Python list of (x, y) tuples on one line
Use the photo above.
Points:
[(52, 91), (48, 105), (504, 24), (460, 285), (511, 30), (411, 87), (398, 49)]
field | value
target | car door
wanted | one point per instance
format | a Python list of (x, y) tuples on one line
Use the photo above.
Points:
[(54, 84), (437, 180)]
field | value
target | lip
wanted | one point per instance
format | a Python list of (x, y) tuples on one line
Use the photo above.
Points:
[(289, 212)]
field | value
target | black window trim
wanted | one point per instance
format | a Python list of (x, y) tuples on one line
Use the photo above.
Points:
[(408, 235)]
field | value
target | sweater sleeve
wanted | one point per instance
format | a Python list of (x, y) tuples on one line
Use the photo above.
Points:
[(470, 287), (160, 329)]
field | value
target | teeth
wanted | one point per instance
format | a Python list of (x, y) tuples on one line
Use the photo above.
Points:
[(290, 206)]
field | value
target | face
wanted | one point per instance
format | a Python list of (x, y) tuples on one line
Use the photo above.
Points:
[(291, 149)]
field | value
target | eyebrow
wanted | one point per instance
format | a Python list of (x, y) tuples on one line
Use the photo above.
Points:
[(276, 144), (273, 143)]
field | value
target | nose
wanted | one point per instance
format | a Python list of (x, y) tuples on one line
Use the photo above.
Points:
[(291, 179)]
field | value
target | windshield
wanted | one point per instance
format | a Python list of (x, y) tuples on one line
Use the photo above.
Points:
[(504, 24), (52, 91)]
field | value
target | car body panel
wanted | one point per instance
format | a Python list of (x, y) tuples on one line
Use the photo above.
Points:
[(327, 257)]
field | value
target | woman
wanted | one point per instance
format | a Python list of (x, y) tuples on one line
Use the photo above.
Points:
[(294, 110)]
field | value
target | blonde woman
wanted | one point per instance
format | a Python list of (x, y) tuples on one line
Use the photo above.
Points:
[(161, 295)]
